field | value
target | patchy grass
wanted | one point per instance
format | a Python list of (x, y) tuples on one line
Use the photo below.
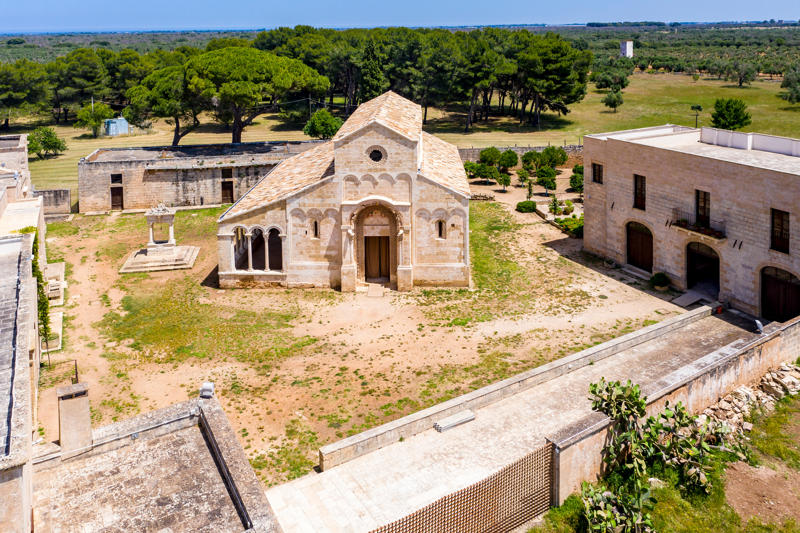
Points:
[(770, 435), (175, 323), (501, 284)]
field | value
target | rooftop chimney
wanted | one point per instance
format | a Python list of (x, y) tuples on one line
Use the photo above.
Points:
[(74, 419)]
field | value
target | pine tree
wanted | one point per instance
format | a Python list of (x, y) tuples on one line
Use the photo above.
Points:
[(372, 82)]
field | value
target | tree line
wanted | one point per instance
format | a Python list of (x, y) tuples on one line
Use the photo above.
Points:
[(234, 79)]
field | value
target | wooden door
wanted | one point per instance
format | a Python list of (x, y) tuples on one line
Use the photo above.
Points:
[(640, 246), (116, 198), (227, 192), (780, 294), (376, 258)]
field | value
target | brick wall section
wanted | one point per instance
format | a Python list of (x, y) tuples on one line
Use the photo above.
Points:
[(741, 196)]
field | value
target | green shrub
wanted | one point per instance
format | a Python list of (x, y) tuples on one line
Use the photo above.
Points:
[(568, 208), (526, 207), (490, 156), (546, 177), (576, 182), (469, 168), (577, 169), (659, 279), (572, 225), (553, 156), (507, 160), (522, 176)]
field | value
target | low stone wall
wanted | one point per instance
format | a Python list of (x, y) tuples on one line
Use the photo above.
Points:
[(56, 201), (407, 426), (578, 448), (473, 154)]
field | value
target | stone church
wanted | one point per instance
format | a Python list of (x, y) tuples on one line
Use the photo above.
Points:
[(382, 202)]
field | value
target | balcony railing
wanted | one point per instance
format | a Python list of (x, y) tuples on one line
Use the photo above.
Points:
[(703, 225)]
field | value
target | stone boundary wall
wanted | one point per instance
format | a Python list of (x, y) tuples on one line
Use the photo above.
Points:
[(407, 426), (56, 201), (472, 154), (578, 448)]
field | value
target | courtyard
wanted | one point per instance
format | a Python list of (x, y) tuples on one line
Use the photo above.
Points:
[(297, 369)]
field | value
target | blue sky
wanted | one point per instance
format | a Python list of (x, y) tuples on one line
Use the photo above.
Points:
[(103, 15)]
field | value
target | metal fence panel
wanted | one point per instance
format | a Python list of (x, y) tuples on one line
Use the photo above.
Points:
[(506, 499)]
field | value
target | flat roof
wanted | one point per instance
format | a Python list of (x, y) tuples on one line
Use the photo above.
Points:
[(20, 214), (756, 152), (10, 141), (169, 482), (10, 250), (175, 469), (166, 153)]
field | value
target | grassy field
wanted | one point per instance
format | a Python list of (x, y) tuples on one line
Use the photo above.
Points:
[(651, 99)]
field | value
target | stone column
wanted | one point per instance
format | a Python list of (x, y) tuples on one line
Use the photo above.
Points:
[(284, 252), (172, 232), (405, 274), (249, 252), (151, 241), (348, 272)]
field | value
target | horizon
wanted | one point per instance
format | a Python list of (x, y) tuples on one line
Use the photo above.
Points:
[(51, 17)]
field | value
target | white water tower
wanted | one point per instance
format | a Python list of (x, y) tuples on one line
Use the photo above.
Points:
[(626, 49)]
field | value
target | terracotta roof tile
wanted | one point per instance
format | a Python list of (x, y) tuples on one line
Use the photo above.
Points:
[(442, 164), (290, 176), (389, 109)]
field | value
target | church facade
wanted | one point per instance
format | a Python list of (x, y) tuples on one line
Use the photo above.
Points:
[(382, 202)]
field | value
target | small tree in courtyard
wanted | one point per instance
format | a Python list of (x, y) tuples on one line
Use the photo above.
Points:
[(730, 114), (508, 159), (322, 125), (503, 179), (93, 116), (546, 177), (613, 100), (490, 156)]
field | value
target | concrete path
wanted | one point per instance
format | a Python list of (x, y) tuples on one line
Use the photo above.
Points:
[(392, 482)]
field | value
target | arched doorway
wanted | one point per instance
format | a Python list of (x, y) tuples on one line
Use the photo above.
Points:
[(780, 294), (376, 244), (259, 246), (275, 244), (702, 268), (640, 246)]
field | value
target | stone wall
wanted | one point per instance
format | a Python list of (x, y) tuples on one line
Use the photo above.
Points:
[(741, 199), (473, 154), (699, 385), (56, 201), (177, 176)]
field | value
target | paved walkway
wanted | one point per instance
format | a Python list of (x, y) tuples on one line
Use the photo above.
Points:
[(392, 482)]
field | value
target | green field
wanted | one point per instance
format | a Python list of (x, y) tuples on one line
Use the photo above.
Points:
[(651, 99)]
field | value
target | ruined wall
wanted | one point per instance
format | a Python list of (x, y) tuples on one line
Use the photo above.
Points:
[(56, 201), (145, 187)]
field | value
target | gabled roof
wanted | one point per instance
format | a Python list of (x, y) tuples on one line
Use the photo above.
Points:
[(291, 175), (390, 110), (442, 163)]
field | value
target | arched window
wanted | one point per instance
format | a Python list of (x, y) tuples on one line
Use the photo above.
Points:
[(441, 229)]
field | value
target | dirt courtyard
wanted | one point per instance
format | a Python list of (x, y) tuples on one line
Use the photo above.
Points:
[(295, 369)]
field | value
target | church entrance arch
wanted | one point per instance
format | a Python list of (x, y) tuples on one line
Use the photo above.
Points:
[(376, 244)]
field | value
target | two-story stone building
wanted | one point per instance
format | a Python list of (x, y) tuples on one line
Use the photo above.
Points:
[(715, 210), (381, 202)]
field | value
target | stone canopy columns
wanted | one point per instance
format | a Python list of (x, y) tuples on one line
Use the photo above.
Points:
[(348, 273), (405, 272)]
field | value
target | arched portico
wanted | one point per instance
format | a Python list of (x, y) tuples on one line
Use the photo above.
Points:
[(375, 244)]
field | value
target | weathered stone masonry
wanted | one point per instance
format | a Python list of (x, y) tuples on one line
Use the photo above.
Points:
[(176, 176)]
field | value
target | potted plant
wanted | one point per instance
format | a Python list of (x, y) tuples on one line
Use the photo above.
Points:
[(660, 281)]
